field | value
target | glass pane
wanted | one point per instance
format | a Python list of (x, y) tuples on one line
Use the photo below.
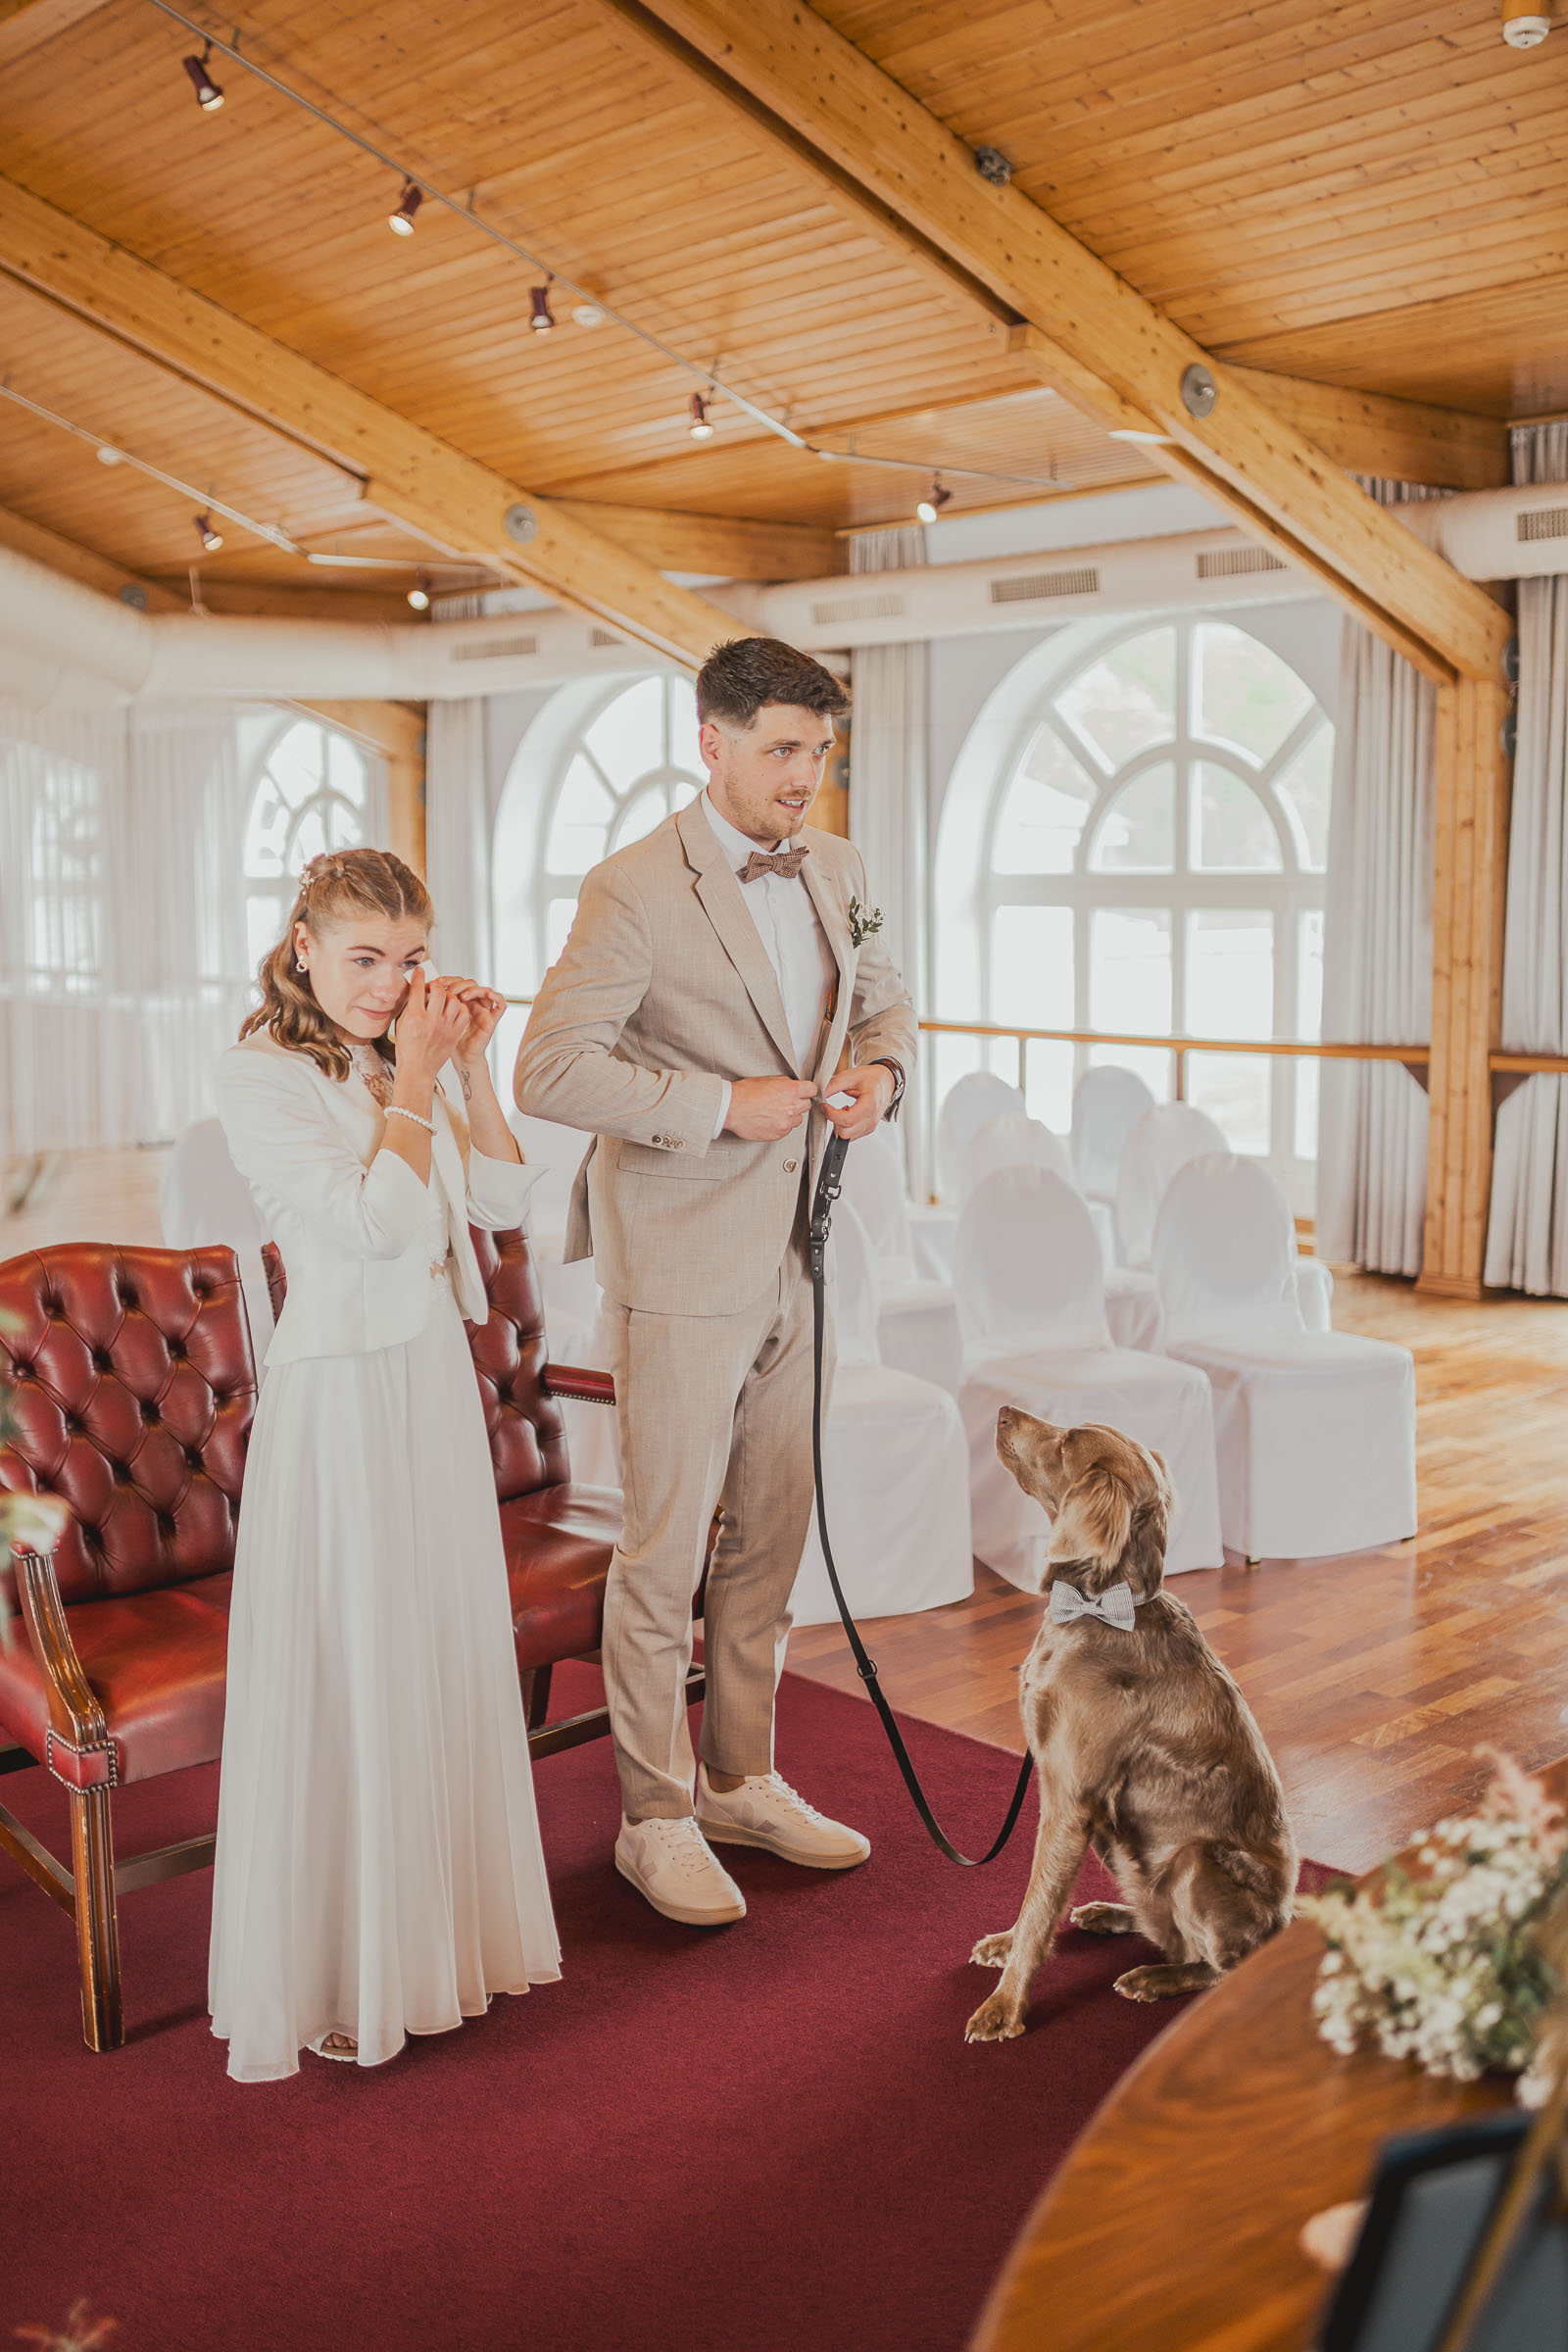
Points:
[(346, 768), (629, 738), (1304, 788), (1044, 810), (558, 923), (298, 765), (581, 832), (1138, 835), (266, 834), (1128, 701), (309, 837), (1230, 972), (1237, 1092), (343, 827), (1232, 830), (646, 810), (683, 750), (1031, 966), (1242, 693), (264, 925), (1129, 970), (1156, 1069)]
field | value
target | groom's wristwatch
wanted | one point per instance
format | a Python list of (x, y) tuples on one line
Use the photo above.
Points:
[(886, 1062)]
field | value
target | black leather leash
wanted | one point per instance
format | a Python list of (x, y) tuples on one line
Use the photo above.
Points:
[(827, 1191)]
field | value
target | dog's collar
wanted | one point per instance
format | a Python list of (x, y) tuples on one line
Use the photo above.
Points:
[(1115, 1606)]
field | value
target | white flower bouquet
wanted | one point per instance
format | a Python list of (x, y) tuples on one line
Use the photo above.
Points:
[(1455, 1963)]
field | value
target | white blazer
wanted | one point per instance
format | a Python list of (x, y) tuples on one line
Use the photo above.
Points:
[(364, 1242)]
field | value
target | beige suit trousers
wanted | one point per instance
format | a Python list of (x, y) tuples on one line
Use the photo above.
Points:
[(712, 1409)]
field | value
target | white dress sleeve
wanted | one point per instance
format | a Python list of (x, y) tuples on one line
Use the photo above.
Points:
[(282, 1143), (497, 1190)]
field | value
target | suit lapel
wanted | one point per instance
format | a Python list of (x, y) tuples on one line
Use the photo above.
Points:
[(720, 893), (836, 930)]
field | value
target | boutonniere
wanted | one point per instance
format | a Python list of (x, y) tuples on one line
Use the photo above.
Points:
[(864, 921)]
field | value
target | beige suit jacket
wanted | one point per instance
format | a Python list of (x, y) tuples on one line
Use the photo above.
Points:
[(662, 991)]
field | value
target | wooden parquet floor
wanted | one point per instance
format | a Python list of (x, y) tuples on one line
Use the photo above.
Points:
[(1374, 1678)]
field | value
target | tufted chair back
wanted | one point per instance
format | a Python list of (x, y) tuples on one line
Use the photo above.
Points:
[(134, 1391), (528, 1435)]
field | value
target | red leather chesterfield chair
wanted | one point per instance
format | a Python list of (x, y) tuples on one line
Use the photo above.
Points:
[(134, 1387)]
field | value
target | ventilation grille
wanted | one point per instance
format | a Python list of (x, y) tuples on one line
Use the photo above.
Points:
[(857, 608), (497, 649), (1033, 585), (1543, 522), (604, 637), (1229, 562)]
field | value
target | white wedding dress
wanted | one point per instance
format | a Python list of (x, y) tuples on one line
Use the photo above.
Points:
[(378, 1868)]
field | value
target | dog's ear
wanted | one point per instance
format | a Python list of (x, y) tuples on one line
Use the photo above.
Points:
[(1093, 1525)]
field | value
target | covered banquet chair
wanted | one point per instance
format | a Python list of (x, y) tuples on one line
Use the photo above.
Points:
[(895, 1468), (1031, 1301), (133, 1391), (1163, 1142), (918, 1323), (1315, 1429), (1106, 1104), (967, 1104), (1015, 1141)]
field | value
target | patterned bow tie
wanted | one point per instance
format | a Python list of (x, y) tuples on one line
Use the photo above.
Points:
[(1112, 1607), (787, 862)]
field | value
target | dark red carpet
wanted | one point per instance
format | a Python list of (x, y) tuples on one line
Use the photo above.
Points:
[(763, 2138)]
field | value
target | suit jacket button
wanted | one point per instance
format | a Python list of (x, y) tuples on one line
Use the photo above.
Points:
[(790, 1166), (658, 1139)]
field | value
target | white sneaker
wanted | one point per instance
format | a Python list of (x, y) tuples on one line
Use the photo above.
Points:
[(669, 1863), (766, 1811)]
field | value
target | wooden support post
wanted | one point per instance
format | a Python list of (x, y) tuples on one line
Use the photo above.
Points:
[(1474, 782)]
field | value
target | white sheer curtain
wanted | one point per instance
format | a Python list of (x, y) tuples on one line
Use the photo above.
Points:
[(888, 768), (457, 825), (1377, 959), (1527, 1237)]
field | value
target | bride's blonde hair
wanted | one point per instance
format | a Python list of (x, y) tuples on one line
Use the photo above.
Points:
[(334, 886)]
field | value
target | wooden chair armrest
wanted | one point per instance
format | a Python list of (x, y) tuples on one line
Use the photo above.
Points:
[(78, 1749), (586, 1387)]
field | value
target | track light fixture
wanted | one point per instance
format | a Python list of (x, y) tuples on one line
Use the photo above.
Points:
[(212, 540), (209, 97), (401, 222), (539, 317), (930, 508), (699, 428), (419, 595), (108, 455)]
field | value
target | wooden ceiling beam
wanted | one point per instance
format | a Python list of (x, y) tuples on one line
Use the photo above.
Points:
[(1257, 464), (83, 563), (443, 496), (730, 547), (26, 25)]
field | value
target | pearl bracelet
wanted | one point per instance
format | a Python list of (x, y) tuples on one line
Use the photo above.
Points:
[(395, 1111)]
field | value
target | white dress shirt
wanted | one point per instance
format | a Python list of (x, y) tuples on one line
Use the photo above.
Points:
[(794, 941)]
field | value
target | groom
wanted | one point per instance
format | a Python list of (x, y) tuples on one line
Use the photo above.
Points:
[(694, 1024)]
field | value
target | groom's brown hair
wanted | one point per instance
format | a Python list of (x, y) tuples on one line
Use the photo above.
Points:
[(742, 678)]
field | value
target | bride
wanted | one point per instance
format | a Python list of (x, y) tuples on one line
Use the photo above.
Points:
[(378, 1868)]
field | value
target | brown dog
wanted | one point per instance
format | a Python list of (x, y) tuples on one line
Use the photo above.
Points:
[(1146, 1748)]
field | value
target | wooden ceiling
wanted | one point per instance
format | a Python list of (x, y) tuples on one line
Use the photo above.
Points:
[(1360, 196)]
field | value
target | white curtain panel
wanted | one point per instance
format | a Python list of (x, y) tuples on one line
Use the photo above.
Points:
[(123, 948), (1527, 1237), (457, 825), (1377, 959)]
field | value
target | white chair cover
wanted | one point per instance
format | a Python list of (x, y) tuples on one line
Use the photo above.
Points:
[(1032, 1306), (1315, 1429), (1106, 1104), (968, 1106), (1013, 1140), (1159, 1142), (203, 1198), (894, 1470), (917, 1329)]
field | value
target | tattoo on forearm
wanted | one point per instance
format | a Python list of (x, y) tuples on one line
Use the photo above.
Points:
[(467, 1086)]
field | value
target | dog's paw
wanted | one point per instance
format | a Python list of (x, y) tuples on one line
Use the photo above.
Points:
[(993, 1951), (1105, 1919), (996, 2019)]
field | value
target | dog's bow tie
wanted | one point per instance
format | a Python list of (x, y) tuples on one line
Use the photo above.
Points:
[(1115, 1606), (787, 862)]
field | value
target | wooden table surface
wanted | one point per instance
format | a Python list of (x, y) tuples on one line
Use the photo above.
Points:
[(1173, 2223)]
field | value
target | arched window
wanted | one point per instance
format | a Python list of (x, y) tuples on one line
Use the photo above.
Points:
[(1149, 858), (632, 761), (312, 794)]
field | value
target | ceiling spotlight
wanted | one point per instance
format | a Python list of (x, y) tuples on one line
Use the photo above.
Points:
[(108, 455), (539, 317), (930, 508), (699, 428), (419, 595), (588, 313), (209, 97), (401, 222), (212, 540)]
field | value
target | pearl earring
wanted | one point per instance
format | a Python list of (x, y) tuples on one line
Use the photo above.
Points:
[(300, 964)]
